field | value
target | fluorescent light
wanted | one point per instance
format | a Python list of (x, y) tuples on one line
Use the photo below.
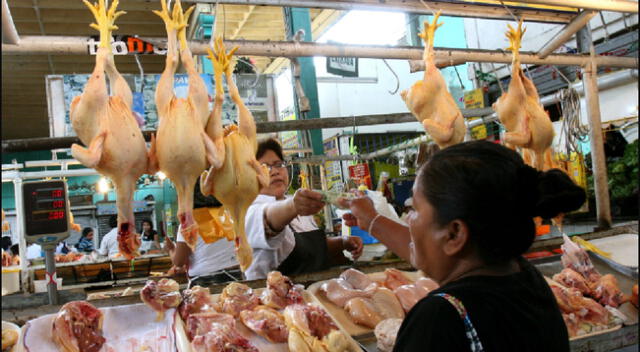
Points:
[(103, 185)]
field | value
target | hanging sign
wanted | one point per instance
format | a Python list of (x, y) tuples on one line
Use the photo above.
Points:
[(360, 173), (343, 66), (126, 45)]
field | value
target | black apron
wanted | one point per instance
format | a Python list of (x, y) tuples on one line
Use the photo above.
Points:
[(309, 254)]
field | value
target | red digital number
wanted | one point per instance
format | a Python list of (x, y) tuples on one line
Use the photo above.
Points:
[(58, 204), (55, 215), (56, 193)]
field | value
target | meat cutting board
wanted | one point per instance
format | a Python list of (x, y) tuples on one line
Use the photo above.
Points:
[(340, 315), (258, 341)]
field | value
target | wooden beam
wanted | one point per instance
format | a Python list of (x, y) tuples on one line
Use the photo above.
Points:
[(566, 33), (30, 45)]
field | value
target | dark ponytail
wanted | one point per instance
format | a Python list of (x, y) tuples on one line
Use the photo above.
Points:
[(490, 188)]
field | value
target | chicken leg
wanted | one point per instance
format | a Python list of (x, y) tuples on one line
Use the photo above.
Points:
[(430, 102), (519, 109), (176, 152), (107, 125), (238, 181)]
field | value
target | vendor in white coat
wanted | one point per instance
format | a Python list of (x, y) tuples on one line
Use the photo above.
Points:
[(282, 231)]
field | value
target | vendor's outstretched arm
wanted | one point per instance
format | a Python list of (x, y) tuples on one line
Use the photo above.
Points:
[(392, 234), (304, 202)]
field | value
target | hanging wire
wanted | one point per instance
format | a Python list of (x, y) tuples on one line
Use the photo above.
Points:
[(604, 26), (395, 75), (428, 7), (495, 73), (459, 78), (141, 69), (572, 128)]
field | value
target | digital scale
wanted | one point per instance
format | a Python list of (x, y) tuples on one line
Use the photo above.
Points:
[(46, 222)]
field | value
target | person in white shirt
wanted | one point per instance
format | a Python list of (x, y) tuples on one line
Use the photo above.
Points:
[(109, 243), (282, 231), (208, 262)]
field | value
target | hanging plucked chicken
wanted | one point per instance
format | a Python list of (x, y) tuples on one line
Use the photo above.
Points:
[(430, 101), (107, 125)]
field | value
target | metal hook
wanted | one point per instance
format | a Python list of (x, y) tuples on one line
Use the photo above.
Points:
[(395, 75), (428, 7), (141, 72)]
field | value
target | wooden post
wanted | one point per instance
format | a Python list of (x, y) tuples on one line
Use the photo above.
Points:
[(598, 161)]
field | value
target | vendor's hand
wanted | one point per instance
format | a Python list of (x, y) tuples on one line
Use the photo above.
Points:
[(354, 245), (307, 202), (362, 212)]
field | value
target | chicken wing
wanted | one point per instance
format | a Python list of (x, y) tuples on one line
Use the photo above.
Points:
[(339, 291)]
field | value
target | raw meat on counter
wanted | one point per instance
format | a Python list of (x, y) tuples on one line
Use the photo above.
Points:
[(78, 328), (410, 294), (161, 296), (357, 279), (386, 332), (195, 300), (572, 278), (266, 322), (580, 273), (339, 291), (9, 339), (237, 297), (237, 178), (311, 329), (280, 291), (107, 126), (634, 295), (69, 257), (383, 304), (216, 332), (394, 278)]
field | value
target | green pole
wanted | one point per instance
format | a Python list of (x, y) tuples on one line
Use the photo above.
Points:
[(296, 19)]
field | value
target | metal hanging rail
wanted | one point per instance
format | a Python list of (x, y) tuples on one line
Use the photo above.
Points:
[(64, 45)]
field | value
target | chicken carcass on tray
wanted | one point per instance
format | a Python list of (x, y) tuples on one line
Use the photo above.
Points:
[(520, 111), (368, 312), (281, 291), (607, 292), (216, 332), (430, 101), (357, 279), (634, 295), (339, 291), (311, 329), (386, 332), (237, 297), (394, 278), (106, 124), (196, 300), (161, 296), (577, 259), (572, 278), (181, 148), (78, 328), (237, 180), (582, 315), (266, 322)]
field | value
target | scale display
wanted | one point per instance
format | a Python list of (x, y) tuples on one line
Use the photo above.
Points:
[(45, 211)]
